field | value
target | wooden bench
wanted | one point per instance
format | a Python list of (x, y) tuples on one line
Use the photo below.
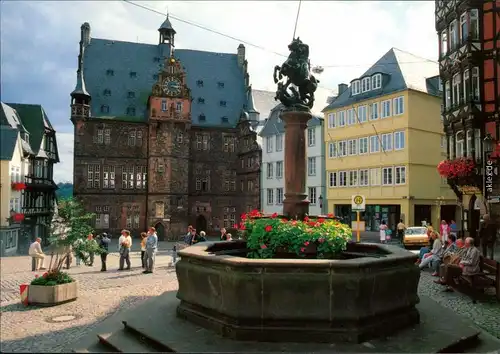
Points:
[(489, 277)]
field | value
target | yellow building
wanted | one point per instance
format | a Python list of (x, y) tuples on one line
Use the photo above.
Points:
[(383, 140)]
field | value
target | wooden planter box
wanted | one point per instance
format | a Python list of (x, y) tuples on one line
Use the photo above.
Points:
[(52, 295)]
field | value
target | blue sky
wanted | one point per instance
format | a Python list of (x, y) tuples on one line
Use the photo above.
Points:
[(40, 41)]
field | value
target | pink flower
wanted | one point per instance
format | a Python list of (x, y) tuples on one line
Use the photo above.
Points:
[(306, 219), (263, 247), (36, 275), (235, 226), (306, 243), (302, 249), (321, 240), (268, 228), (275, 215)]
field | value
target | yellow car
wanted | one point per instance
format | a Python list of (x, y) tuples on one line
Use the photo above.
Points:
[(416, 236)]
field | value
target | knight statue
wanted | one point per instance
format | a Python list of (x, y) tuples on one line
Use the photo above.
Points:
[(297, 91)]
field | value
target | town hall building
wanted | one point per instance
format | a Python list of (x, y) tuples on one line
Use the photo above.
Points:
[(164, 137)]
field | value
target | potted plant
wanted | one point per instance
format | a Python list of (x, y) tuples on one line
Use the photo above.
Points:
[(277, 237), (68, 232)]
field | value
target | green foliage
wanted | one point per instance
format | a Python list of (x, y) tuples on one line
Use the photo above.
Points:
[(52, 278), (64, 191), (70, 228), (267, 236)]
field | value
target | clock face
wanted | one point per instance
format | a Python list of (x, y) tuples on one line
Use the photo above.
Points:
[(171, 86)]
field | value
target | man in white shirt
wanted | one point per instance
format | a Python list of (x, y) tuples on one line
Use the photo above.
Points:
[(35, 251), (124, 244)]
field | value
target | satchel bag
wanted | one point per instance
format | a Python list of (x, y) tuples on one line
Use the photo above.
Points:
[(451, 259)]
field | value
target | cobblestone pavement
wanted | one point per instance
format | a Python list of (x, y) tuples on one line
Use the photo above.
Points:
[(101, 294), (28, 329)]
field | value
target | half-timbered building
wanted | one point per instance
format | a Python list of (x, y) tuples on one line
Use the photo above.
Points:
[(469, 64)]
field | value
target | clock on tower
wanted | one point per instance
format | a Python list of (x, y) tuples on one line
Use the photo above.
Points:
[(171, 86)]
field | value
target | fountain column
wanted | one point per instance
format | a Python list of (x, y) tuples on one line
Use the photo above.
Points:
[(295, 204)]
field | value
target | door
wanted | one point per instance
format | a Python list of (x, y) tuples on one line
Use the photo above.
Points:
[(201, 224), (160, 231), (422, 212)]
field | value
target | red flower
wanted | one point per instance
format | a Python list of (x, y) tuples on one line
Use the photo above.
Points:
[(330, 215), (321, 240), (306, 219), (311, 223), (321, 220), (243, 216), (284, 220), (18, 217), (268, 228), (275, 215), (45, 275), (263, 247), (302, 249), (36, 275), (235, 226), (294, 222), (242, 226), (306, 243)]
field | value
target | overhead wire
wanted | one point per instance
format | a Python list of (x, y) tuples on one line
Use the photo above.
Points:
[(250, 44)]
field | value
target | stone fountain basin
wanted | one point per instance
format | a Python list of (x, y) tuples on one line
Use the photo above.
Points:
[(298, 300)]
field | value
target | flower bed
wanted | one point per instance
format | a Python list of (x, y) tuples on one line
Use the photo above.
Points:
[(276, 237), (52, 278), (52, 288)]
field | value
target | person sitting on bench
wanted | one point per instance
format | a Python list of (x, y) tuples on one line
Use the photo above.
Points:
[(35, 251), (467, 265), (436, 252), (449, 249)]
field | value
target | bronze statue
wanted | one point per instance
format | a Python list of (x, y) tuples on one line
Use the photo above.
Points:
[(299, 96)]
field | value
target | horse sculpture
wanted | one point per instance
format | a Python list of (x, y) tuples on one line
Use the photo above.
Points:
[(297, 92)]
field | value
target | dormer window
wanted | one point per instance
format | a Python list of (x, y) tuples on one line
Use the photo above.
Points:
[(222, 103), (220, 84), (199, 83), (155, 77), (376, 81), (132, 74), (131, 111), (104, 109), (107, 92), (365, 84), (201, 100), (110, 72), (201, 117), (225, 119), (156, 59), (131, 94), (355, 87)]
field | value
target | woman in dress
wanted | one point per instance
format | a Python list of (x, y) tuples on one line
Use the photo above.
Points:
[(383, 229), (444, 230)]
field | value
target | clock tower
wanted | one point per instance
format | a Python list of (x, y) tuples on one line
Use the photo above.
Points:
[(169, 110)]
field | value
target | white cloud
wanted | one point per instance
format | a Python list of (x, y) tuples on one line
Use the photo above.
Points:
[(63, 171), (344, 37)]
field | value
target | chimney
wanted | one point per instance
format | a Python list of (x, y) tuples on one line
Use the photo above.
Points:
[(85, 34), (342, 88), (241, 55)]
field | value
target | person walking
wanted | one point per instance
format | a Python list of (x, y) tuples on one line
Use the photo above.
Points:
[(104, 244), (124, 244), (151, 247), (401, 230), (383, 230), (90, 239), (144, 237)]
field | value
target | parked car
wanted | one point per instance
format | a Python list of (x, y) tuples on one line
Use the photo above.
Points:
[(416, 236)]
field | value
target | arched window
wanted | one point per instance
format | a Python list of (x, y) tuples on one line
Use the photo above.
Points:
[(460, 143)]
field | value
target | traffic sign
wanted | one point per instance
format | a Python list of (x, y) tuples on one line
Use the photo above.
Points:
[(358, 202)]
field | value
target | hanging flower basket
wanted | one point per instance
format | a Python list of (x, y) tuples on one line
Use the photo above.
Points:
[(17, 186), (18, 217), (458, 168)]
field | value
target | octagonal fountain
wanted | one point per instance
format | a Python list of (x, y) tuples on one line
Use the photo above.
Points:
[(360, 292)]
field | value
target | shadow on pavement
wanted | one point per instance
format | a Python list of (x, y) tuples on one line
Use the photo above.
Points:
[(56, 341)]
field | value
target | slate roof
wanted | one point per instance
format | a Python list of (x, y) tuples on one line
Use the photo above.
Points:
[(144, 60), (8, 139), (273, 126), (35, 120), (401, 71)]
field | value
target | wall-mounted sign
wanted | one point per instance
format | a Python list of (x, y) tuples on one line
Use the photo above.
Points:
[(490, 172), (469, 190)]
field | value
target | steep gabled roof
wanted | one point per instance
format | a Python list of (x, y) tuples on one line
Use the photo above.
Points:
[(8, 139), (401, 71), (35, 121), (216, 78)]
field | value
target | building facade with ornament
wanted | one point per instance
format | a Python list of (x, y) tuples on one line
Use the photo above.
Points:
[(164, 137), (28, 154), (469, 66)]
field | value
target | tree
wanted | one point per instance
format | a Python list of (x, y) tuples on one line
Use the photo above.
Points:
[(69, 229)]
